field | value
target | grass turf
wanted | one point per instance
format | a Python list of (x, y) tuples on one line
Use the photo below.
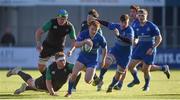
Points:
[(161, 88)]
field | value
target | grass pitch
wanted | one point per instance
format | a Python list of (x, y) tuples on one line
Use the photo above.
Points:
[(161, 88)]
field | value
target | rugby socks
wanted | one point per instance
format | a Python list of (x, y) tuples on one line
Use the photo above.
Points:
[(102, 72), (76, 81), (147, 81), (120, 83), (114, 81), (95, 76), (134, 74), (24, 76), (163, 68), (70, 86), (30, 88)]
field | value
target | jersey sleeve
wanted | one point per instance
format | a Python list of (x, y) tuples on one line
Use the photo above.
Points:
[(72, 33), (103, 42), (112, 26), (48, 74), (47, 26), (155, 30), (130, 34), (83, 26), (80, 36), (70, 67)]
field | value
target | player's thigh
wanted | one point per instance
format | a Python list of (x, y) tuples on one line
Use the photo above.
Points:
[(77, 68), (109, 60), (119, 71), (133, 63), (146, 67), (89, 74)]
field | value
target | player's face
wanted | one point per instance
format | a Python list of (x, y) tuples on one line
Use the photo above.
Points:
[(61, 64), (93, 29), (133, 13), (142, 17), (124, 24), (61, 20)]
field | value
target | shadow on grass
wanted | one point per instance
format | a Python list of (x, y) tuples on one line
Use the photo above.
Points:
[(164, 96), (12, 96)]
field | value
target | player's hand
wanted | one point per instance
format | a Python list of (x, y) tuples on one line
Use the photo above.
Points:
[(53, 94), (69, 53), (39, 46), (150, 51), (88, 42)]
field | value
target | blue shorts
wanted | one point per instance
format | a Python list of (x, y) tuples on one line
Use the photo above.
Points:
[(88, 60), (122, 56), (139, 53)]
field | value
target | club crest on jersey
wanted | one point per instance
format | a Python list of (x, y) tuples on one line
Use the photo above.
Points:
[(54, 27), (142, 33), (148, 29), (137, 29), (53, 72)]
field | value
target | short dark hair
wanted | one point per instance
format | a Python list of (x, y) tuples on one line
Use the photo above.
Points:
[(95, 23), (143, 11), (124, 17), (135, 7), (94, 13)]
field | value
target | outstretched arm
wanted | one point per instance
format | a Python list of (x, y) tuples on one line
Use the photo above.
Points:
[(119, 36), (102, 22)]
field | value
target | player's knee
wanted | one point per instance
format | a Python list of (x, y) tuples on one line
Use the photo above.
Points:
[(73, 76), (107, 63), (31, 83), (87, 80)]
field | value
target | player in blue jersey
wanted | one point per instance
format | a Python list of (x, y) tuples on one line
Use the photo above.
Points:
[(164, 68), (120, 53), (149, 38), (88, 59), (93, 13)]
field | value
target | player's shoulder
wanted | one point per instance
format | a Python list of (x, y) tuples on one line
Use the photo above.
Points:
[(134, 23), (69, 23), (130, 28), (84, 32), (53, 20), (151, 24), (99, 36)]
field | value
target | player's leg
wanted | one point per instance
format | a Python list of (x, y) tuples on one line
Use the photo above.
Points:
[(96, 80), (164, 68), (99, 59), (120, 82), (77, 68), (147, 76), (119, 72), (132, 68), (26, 77), (42, 65), (76, 82), (45, 55), (109, 61), (90, 71)]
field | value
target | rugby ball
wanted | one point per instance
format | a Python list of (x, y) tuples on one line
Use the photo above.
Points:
[(86, 48)]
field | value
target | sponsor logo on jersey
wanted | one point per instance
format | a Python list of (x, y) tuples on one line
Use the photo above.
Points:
[(54, 27)]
